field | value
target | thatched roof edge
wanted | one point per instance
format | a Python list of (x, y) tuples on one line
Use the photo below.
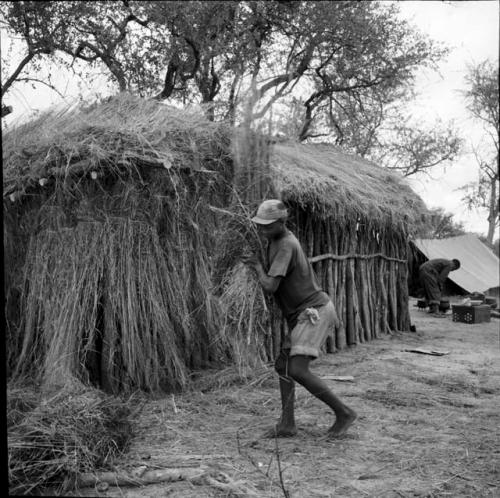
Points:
[(127, 132), (323, 179)]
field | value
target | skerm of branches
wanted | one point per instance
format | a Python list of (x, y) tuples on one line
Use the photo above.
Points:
[(345, 64), (482, 98)]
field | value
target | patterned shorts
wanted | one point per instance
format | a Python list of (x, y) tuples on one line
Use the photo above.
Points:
[(313, 327)]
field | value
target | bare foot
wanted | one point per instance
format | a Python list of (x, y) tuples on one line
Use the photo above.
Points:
[(280, 431), (342, 423)]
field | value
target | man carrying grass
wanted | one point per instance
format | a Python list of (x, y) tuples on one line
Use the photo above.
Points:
[(309, 312)]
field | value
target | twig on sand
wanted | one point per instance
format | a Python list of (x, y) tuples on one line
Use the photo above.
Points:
[(340, 378), (269, 466), (173, 404), (278, 459), (258, 467), (425, 351), (248, 456)]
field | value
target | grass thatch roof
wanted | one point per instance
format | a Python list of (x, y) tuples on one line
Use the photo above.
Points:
[(127, 132), (322, 178), (121, 133)]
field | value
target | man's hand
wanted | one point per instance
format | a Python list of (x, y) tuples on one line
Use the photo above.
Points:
[(269, 284), (251, 260)]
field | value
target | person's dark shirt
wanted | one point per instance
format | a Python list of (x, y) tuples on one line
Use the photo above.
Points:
[(299, 288), (439, 267)]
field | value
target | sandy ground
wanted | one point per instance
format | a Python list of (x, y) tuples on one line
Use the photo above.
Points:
[(428, 426)]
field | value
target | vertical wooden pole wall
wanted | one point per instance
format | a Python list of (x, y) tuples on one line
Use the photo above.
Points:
[(369, 294)]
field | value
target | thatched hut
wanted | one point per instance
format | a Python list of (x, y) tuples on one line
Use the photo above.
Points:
[(123, 223), (353, 218)]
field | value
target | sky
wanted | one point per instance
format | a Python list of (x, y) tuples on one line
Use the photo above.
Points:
[(469, 28)]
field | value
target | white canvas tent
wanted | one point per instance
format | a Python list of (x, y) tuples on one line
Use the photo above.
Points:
[(480, 267)]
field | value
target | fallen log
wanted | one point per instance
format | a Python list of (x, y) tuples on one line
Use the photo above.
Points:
[(143, 477), (155, 476)]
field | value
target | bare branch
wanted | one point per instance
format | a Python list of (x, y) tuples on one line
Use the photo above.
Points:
[(36, 80), (10, 80), (270, 102)]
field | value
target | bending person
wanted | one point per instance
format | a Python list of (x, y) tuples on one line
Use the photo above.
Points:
[(433, 274)]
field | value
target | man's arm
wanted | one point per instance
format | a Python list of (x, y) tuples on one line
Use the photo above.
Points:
[(444, 275), (269, 284)]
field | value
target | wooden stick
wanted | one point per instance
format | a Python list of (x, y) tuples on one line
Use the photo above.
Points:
[(373, 299), (349, 291), (393, 298), (199, 475), (331, 343), (384, 327), (88, 479), (365, 299), (315, 259), (340, 336)]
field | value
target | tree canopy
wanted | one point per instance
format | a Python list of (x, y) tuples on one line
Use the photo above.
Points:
[(343, 65), (438, 224), (482, 99)]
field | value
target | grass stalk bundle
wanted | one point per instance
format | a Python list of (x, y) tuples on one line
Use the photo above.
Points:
[(252, 179), (247, 318), (22, 398), (96, 307), (72, 430)]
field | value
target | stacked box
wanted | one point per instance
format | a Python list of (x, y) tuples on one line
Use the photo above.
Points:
[(471, 314)]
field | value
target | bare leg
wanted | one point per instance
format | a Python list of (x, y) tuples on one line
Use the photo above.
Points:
[(299, 370), (286, 426), (432, 291)]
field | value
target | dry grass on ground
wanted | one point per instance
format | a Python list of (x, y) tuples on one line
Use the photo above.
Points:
[(55, 435), (429, 426)]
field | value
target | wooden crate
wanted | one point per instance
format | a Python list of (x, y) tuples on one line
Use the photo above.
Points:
[(471, 314)]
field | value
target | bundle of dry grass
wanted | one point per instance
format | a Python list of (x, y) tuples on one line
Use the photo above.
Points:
[(75, 429), (247, 311), (97, 305), (22, 398), (246, 324), (236, 235), (218, 380), (253, 177)]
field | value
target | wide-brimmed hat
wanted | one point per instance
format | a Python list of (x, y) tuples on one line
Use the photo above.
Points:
[(270, 211)]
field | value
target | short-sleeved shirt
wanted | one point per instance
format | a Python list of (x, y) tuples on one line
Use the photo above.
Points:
[(299, 288)]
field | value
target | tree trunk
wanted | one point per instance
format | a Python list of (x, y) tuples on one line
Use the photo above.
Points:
[(493, 210)]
